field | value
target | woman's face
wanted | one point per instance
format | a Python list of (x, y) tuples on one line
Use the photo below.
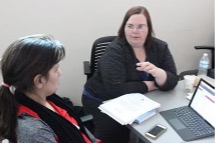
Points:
[(136, 30), (52, 82)]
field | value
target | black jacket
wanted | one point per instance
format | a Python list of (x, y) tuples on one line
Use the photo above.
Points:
[(117, 75)]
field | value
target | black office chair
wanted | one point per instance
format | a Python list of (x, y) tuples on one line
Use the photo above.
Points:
[(98, 48), (211, 71)]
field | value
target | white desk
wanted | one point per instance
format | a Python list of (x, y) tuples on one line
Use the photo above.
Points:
[(169, 99)]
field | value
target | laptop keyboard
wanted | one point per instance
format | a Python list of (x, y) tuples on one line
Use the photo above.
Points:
[(197, 126)]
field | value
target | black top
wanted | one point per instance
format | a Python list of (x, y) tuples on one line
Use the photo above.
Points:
[(116, 74), (65, 130)]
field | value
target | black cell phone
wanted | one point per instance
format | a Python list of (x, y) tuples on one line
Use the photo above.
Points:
[(155, 131)]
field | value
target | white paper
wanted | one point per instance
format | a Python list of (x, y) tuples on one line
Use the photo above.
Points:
[(125, 109)]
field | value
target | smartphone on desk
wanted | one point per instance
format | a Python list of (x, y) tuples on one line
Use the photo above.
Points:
[(155, 131)]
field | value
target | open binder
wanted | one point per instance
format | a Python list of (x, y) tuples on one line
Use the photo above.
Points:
[(129, 108)]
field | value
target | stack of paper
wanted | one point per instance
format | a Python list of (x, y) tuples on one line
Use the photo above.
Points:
[(130, 108)]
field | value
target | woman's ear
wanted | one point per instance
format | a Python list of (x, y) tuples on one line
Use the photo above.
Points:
[(39, 81)]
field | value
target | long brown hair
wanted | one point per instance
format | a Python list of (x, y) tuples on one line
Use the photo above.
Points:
[(133, 11)]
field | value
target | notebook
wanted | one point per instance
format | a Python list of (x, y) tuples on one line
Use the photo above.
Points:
[(197, 120)]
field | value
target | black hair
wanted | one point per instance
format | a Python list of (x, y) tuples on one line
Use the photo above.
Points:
[(21, 62)]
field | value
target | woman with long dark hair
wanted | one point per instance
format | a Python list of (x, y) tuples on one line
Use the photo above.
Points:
[(30, 111)]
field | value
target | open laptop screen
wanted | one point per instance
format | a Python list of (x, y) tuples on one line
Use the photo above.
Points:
[(203, 102)]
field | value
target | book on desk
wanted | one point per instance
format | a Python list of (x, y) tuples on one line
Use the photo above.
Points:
[(129, 108)]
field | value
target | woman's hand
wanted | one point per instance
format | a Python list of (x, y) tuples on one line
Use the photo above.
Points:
[(148, 67), (158, 73)]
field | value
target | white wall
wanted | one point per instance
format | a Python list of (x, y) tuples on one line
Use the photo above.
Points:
[(77, 23)]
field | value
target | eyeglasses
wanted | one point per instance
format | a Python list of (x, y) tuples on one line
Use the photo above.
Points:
[(139, 27)]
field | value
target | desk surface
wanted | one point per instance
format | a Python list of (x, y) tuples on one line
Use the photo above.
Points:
[(168, 100)]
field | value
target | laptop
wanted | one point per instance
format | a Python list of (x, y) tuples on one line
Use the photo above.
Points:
[(197, 120)]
